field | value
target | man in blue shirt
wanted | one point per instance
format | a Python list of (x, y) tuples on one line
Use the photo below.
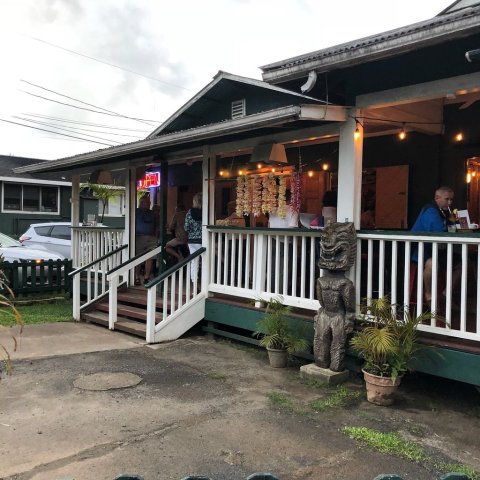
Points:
[(434, 217)]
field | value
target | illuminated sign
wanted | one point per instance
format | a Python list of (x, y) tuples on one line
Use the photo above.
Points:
[(151, 179)]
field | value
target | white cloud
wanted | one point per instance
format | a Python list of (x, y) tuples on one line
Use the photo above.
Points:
[(182, 44)]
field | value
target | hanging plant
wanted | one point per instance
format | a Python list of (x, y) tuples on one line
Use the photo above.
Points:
[(240, 192), (296, 201), (282, 201), (256, 196), (269, 194)]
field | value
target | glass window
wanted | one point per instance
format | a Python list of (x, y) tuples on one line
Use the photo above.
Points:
[(61, 231), (12, 197), (49, 199), (114, 206), (31, 198), (42, 231)]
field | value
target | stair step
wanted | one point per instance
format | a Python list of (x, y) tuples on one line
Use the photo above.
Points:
[(129, 311), (122, 324)]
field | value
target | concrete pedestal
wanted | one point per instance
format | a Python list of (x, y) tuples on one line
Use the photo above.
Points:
[(324, 375)]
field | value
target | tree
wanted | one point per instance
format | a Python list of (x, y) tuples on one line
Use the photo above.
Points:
[(104, 193)]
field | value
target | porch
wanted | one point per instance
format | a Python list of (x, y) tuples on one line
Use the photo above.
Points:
[(240, 266)]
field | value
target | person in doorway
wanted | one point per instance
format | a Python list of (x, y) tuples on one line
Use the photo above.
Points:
[(329, 210), (434, 217), (145, 237), (177, 227), (193, 228)]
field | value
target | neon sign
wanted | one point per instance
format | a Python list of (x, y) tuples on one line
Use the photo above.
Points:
[(150, 179)]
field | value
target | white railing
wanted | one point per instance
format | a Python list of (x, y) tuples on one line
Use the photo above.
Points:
[(263, 263), (182, 303), (90, 243), (94, 275), (385, 267), (124, 272)]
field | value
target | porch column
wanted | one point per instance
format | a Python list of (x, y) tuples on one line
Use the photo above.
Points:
[(75, 200), (208, 196), (350, 171), (162, 239), (131, 205)]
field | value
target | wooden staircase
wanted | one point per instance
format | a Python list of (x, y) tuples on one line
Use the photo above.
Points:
[(131, 311)]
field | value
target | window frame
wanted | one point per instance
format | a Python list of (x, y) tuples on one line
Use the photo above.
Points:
[(30, 212)]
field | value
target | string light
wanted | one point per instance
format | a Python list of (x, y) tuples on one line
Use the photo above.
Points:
[(221, 173), (402, 135), (459, 137), (259, 165), (325, 166), (356, 134), (310, 173)]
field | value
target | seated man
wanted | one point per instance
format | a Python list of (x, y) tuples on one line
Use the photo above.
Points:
[(434, 217)]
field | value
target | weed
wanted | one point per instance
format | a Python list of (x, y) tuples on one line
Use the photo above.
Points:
[(217, 376), (393, 444), (390, 443), (281, 401), (341, 397), (459, 468), (310, 381), (415, 429)]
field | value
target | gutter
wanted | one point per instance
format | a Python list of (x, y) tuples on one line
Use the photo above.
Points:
[(272, 117), (376, 47)]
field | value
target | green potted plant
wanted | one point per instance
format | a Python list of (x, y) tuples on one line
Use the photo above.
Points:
[(277, 335), (387, 342)]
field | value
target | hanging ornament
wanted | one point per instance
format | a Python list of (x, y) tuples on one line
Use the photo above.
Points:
[(256, 196), (240, 192), (282, 201), (296, 188), (269, 194)]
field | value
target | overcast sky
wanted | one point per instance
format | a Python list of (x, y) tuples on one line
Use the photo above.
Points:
[(145, 58)]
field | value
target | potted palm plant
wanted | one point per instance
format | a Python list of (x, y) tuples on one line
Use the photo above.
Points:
[(387, 342), (277, 335)]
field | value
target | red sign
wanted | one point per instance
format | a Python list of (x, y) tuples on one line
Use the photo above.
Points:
[(151, 179)]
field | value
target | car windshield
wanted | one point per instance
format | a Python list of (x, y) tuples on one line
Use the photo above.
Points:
[(6, 241)]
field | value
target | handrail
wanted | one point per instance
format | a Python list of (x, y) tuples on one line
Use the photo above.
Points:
[(130, 260), (178, 266), (103, 257)]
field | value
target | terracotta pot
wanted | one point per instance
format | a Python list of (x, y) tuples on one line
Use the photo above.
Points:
[(380, 390), (277, 358)]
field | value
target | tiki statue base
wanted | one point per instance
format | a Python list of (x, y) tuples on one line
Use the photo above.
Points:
[(324, 375)]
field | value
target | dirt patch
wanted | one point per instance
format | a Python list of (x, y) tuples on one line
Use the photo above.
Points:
[(215, 408)]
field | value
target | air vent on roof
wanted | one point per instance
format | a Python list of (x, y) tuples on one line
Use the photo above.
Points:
[(238, 108)]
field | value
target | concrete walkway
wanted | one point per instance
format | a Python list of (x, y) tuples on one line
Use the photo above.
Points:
[(85, 403)]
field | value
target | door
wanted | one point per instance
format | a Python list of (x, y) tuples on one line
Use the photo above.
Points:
[(391, 197)]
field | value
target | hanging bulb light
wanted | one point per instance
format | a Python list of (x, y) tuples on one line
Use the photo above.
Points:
[(310, 173), (325, 167), (259, 165), (459, 137), (356, 134), (221, 173), (402, 135)]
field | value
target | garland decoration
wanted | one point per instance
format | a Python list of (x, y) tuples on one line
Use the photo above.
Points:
[(296, 201), (282, 201), (247, 196), (256, 196), (269, 194), (240, 195)]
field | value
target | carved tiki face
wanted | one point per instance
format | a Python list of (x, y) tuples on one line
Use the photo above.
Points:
[(338, 246)]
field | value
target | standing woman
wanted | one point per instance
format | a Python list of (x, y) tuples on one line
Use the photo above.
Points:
[(193, 227)]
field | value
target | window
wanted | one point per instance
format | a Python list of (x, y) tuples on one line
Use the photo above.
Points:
[(114, 207), (61, 231), (29, 198), (42, 231)]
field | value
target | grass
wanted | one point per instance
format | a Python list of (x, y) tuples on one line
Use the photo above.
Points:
[(341, 397), (217, 376), (391, 443), (282, 401), (44, 312)]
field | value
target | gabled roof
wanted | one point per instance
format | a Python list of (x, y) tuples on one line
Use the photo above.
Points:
[(217, 87), (454, 23)]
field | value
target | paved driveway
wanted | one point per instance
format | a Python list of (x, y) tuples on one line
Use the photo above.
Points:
[(202, 406)]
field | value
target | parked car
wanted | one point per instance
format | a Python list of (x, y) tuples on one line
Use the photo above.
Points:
[(55, 237), (11, 250)]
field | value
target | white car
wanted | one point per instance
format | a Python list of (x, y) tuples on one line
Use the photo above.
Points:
[(55, 237), (12, 251)]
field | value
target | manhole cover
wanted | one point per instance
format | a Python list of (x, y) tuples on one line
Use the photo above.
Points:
[(107, 381)]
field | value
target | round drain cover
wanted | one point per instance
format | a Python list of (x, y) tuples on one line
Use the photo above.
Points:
[(107, 381)]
